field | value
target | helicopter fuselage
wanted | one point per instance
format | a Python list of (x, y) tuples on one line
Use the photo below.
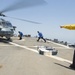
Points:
[(6, 29)]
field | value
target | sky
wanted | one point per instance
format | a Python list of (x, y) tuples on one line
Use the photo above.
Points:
[(51, 15)]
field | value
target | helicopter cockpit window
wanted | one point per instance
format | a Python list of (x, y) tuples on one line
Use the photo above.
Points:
[(6, 24), (9, 24)]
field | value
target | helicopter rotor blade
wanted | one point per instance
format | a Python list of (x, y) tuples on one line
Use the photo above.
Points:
[(23, 20), (23, 4)]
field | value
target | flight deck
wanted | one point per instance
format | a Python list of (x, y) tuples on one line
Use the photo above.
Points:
[(21, 57)]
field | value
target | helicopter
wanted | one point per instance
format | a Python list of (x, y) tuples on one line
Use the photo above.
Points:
[(70, 26), (6, 28)]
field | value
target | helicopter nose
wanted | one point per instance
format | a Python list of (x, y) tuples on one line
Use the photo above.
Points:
[(61, 26)]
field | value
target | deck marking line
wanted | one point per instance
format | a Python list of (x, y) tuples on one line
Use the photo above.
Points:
[(51, 56), (23, 47), (59, 44), (59, 58)]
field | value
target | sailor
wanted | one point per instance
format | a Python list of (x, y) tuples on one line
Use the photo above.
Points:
[(20, 35), (40, 36)]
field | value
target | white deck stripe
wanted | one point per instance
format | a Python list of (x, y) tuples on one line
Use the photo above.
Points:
[(51, 56), (23, 47), (59, 44), (59, 58)]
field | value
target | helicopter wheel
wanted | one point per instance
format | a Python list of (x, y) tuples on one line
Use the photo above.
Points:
[(9, 39)]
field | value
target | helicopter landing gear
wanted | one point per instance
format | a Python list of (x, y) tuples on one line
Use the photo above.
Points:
[(9, 39)]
